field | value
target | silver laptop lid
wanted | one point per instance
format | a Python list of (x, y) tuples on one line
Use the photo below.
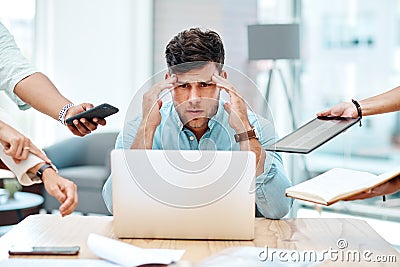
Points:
[(187, 194)]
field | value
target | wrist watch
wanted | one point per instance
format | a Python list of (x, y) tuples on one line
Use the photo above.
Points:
[(39, 173), (246, 135)]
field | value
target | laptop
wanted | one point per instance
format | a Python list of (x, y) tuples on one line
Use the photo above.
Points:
[(183, 194)]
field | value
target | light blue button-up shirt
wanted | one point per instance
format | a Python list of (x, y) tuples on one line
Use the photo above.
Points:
[(172, 135)]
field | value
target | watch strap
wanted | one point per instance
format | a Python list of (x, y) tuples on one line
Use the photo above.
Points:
[(246, 135), (39, 173)]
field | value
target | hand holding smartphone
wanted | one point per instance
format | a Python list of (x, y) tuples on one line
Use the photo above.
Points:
[(44, 250), (100, 111)]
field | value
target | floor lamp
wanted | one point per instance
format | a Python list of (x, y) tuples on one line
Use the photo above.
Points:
[(275, 42)]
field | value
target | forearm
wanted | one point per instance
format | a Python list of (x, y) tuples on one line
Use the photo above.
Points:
[(270, 190), (39, 92), (383, 103), (143, 138), (255, 146)]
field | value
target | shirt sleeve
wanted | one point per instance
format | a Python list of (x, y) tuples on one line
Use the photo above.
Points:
[(124, 141), (21, 169), (271, 201), (14, 67)]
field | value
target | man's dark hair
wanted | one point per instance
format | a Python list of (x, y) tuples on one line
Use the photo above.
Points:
[(196, 48)]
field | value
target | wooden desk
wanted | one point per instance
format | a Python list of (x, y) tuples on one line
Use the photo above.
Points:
[(297, 234)]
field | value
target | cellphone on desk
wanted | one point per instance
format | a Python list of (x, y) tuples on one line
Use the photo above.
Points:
[(43, 250), (100, 111)]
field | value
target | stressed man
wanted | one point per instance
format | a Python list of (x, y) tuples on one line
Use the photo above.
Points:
[(197, 119)]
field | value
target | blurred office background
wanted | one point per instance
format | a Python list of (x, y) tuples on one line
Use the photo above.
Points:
[(104, 51)]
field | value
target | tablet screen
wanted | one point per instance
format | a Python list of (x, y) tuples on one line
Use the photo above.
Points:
[(313, 134)]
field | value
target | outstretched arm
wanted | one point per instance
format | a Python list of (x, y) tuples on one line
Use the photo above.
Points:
[(382, 103), (39, 92)]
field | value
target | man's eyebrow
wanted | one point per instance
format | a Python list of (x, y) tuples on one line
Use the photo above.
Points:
[(185, 82)]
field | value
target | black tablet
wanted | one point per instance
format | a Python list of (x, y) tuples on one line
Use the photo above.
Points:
[(312, 134)]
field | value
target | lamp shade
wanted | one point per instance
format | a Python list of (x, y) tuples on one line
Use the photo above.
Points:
[(273, 41)]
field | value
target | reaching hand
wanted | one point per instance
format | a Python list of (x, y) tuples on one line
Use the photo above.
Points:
[(344, 109), (83, 126), (18, 146), (390, 187), (62, 189)]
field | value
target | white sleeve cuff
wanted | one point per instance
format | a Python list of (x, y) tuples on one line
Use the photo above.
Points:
[(21, 170)]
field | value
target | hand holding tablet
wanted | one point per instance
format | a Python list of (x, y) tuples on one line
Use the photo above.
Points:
[(313, 134)]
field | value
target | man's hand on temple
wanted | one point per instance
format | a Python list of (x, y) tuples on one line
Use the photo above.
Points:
[(236, 108)]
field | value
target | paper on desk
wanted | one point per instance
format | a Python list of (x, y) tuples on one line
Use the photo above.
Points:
[(128, 255)]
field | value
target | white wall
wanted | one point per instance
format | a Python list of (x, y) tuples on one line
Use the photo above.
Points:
[(94, 51), (228, 18)]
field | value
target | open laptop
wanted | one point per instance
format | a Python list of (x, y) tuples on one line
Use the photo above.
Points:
[(183, 194)]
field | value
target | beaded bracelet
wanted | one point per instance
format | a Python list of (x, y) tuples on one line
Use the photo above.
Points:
[(359, 111), (63, 112)]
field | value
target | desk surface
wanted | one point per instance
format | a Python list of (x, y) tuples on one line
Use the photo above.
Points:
[(297, 234)]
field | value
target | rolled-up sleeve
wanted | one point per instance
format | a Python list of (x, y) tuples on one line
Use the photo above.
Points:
[(271, 201), (14, 67), (21, 169)]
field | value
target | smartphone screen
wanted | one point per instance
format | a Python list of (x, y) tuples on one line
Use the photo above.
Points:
[(44, 250)]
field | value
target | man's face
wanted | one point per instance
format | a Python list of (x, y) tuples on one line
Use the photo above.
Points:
[(196, 96)]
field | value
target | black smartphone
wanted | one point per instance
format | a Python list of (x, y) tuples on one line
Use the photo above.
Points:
[(44, 250), (100, 111)]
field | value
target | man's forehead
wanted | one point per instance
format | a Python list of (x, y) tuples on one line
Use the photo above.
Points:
[(196, 75)]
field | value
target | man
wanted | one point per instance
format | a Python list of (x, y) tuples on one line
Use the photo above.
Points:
[(196, 119)]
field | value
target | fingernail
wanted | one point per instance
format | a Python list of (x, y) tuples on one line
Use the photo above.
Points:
[(83, 120), (95, 120)]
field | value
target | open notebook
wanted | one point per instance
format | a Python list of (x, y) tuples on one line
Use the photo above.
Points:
[(338, 184)]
